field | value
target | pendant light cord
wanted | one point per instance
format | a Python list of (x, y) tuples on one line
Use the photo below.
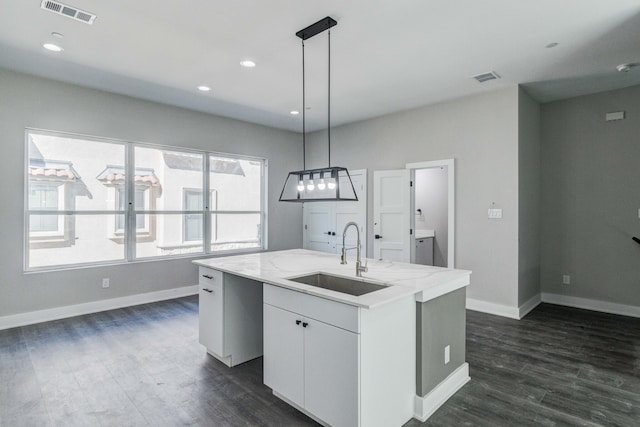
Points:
[(304, 113), (329, 99)]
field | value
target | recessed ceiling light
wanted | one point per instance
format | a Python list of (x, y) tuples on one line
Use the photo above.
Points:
[(57, 35), (550, 45), (294, 112), (52, 47), (203, 88), (247, 63)]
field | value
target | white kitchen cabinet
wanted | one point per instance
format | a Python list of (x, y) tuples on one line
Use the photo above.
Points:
[(331, 374), (210, 310), (312, 364), (230, 316), (283, 348)]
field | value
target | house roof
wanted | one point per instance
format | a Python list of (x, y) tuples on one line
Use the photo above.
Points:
[(116, 174), (52, 169)]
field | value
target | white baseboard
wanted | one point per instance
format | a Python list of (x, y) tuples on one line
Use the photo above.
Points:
[(32, 317), (425, 406), (569, 301), (591, 304), (532, 303), (492, 308)]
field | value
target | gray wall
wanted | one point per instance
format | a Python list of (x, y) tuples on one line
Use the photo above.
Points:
[(528, 198), (440, 322), (481, 133), (27, 101), (431, 196), (591, 196)]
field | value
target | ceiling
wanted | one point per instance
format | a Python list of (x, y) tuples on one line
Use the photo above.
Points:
[(386, 56)]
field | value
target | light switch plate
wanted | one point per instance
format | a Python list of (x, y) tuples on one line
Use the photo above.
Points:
[(617, 115), (495, 213)]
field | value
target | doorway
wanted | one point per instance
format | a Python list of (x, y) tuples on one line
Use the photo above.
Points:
[(433, 209), (396, 217)]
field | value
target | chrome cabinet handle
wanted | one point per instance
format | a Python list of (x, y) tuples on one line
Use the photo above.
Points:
[(208, 290), (206, 276)]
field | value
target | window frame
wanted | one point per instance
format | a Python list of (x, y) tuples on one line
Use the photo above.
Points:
[(130, 212)]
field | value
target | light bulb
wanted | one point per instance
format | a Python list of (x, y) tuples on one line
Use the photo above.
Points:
[(310, 185), (331, 184), (300, 186), (52, 47), (321, 184)]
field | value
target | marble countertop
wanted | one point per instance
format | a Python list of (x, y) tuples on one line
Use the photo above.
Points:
[(402, 279), (424, 233)]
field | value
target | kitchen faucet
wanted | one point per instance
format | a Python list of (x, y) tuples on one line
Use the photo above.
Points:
[(343, 259)]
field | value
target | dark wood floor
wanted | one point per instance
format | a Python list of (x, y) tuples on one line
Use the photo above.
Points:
[(143, 366)]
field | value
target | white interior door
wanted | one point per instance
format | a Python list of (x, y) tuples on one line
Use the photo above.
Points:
[(391, 215), (323, 222), (353, 211), (320, 226)]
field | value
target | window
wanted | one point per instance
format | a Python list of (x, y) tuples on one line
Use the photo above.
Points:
[(92, 201), (193, 231), (141, 196), (45, 196), (236, 210), (68, 210)]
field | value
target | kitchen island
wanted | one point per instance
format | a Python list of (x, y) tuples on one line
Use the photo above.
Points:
[(379, 358)]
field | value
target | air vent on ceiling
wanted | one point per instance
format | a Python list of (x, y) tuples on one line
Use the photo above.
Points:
[(68, 11), (485, 77)]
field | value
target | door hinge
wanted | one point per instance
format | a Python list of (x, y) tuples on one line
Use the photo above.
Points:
[(411, 231), (410, 183)]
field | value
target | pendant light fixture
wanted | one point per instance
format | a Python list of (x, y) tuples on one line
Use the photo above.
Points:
[(332, 183)]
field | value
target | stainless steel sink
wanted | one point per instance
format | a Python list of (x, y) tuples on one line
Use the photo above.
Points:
[(339, 284)]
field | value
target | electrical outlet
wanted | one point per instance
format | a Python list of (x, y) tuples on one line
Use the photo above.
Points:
[(105, 282), (566, 279), (447, 354)]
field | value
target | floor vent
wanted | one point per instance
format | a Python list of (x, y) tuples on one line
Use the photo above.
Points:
[(68, 11), (485, 77)]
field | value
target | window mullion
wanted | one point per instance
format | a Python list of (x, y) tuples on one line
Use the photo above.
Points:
[(130, 219), (206, 218), (263, 204)]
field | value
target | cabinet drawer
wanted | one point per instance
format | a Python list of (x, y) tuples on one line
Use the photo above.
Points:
[(207, 276), (335, 313), (211, 311)]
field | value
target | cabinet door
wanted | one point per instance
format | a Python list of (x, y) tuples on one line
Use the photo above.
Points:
[(211, 311), (283, 357), (331, 374)]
